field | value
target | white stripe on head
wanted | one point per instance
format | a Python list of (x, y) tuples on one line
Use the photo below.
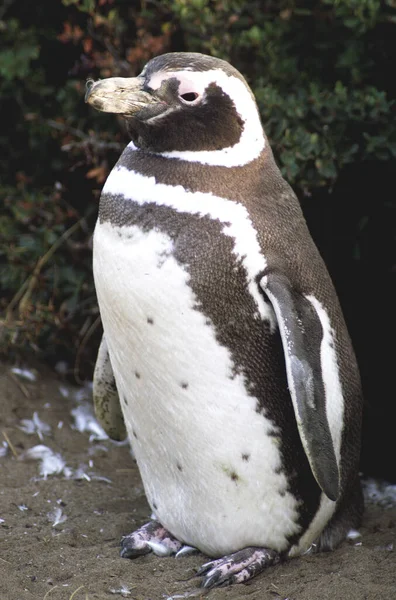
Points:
[(235, 217), (251, 142)]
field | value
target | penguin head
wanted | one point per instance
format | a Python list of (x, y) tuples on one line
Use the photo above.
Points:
[(182, 102)]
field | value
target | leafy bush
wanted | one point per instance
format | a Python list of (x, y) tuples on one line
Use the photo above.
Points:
[(322, 74)]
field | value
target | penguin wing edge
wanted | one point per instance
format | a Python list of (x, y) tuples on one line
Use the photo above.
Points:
[(105, 395), (301, 333)]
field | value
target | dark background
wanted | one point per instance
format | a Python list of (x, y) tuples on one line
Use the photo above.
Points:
[(324, 76)]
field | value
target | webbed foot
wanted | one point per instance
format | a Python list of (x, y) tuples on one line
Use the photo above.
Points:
[(152, 537), (237, 567)]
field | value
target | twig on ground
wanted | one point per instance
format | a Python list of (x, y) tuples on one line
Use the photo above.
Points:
[(75, 591), (23, 389), (49, 591), (10, 444)]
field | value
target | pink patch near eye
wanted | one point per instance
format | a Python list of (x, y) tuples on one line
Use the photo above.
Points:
[(188, 89)]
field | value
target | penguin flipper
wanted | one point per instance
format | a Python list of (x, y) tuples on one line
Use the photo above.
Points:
[(301, 333), (105, 395)]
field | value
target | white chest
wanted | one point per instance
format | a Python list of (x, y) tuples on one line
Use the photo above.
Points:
[(211, 472)]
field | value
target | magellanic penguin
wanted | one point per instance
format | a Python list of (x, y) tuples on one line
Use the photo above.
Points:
[(223, 334)]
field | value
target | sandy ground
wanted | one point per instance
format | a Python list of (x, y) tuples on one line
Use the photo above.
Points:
[(77, 559)]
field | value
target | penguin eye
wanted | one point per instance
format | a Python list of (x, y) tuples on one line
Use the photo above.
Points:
[(189, 96)]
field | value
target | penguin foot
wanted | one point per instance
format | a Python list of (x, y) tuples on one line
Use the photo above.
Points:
[(151, 537), (237, 567)]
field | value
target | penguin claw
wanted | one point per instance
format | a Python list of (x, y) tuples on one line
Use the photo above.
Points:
[(207, 567), (185, 550), (233, 568), (159, 549), (151, 537), (237, 567)]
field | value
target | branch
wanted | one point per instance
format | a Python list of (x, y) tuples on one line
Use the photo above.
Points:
[(25, 291), (86, 140)]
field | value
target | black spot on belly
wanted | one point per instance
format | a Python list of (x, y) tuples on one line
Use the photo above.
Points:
[(234, 476), (279, 470), (155, 506), (184, 385), (273, 433), (178, 465), (125, 400), (150, 320), (282, 493), (134, 434), (246, 457), (137, 375)]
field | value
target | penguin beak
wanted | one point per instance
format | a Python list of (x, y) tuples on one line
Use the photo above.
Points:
[(121, 95)]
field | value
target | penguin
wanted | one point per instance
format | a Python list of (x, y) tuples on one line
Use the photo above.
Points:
[(225, 358)]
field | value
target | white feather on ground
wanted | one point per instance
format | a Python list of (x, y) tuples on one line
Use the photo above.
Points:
[(3, 449), (379, 492), (51, 462), (124, 591), (26, 374), (84, 420), (35, 425), (56, 517)]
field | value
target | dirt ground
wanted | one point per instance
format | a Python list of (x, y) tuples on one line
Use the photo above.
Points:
[(98, 497)]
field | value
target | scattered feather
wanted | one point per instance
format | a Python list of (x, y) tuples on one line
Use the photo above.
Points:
[(22, 507), (56, 517), (92, 450), (387, 548), (122, 443), (35, 425), (50, 462), (379, 492), (83, 393), (62, 367), (3, 449), (124, 591), (2, 520), (85, 421), (68, 472), (81, 474), (25, 374), (353, 534), (101, 478), (188, 594), (64, 391)]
